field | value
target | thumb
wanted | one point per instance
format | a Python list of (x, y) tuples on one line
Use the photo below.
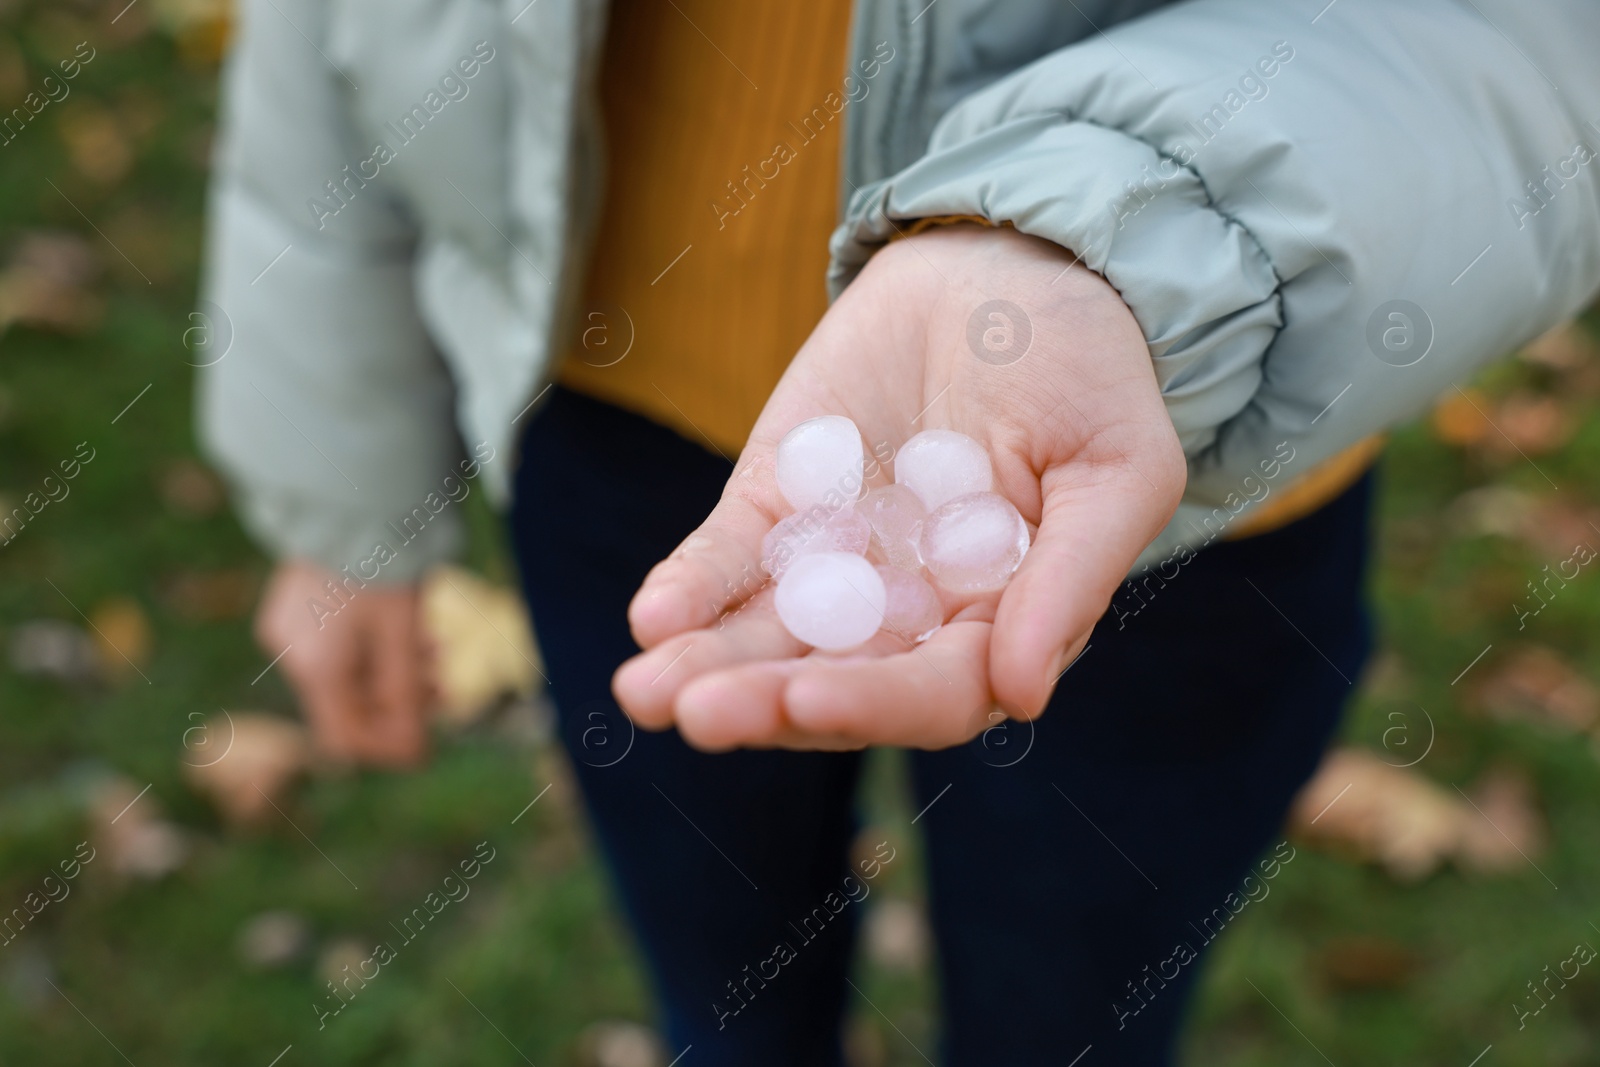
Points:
[(716, 567), (1095, 522)]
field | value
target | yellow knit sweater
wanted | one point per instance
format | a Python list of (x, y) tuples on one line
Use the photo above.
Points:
[(723, 160), (722, 134)]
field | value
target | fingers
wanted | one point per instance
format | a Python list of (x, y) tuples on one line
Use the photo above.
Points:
[(742, 708), (648, 684), (358, 669), (1089, 536), (391, 711), (930, 696), (741, 685), (316, 655), (717, 566), (933, 695), (739, 707), (327, 682)]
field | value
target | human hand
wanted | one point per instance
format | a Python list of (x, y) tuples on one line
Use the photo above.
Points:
[(363, 674), (1081, 444)]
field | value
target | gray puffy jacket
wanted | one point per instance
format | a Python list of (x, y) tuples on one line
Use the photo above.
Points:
[(1321, 214)]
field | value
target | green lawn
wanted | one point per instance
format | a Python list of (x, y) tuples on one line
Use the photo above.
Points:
[(149, 971)]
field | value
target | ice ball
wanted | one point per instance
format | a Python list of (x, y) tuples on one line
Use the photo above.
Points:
[(814, 530), (940, 465), (911, 607), (821, 461), (831, 600), (974, 543), (893, 512)]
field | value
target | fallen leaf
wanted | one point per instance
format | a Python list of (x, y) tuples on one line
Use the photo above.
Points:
[(615, 1043), (527, 722), (1360, 806), (1357, 963), (45, 284), (484, 644), (273, 939), (13, 71), (341, 960), (1559, 524), (48, 648), (1386, 675), (212, 596), (1506, 829), (129, 831), (1582, 383), (60, 255), (244, 762), (1389, 815), (1489, 590), (153, 245), (132, 23), (1530, 424), (555, 854), (1410, 544), (896, 936), (175, 16), (1566, 347), (123, 640), (201, 27), (864, 1043), (1459, 419), (1553, 524), (1492, 509), (192, 489), (204, 44), (1534, 684), (140, 112), (553, 768), (96, 143), (864, 847)]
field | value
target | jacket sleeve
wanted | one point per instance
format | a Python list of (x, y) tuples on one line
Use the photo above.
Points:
[(322, 399), (1320, 219)]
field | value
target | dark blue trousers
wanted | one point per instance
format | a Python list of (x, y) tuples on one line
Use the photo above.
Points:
[(1076, 867)]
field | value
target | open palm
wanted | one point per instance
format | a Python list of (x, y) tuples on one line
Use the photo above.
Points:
[(1063, 397)]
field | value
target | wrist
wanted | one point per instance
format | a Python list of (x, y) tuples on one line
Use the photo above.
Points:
[(962, 264), (996, 285)]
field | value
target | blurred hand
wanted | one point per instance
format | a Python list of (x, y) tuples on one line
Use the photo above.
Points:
[(1081, 444), (363, 674)]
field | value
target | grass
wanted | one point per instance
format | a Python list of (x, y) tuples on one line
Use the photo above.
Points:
[(147, 972)]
